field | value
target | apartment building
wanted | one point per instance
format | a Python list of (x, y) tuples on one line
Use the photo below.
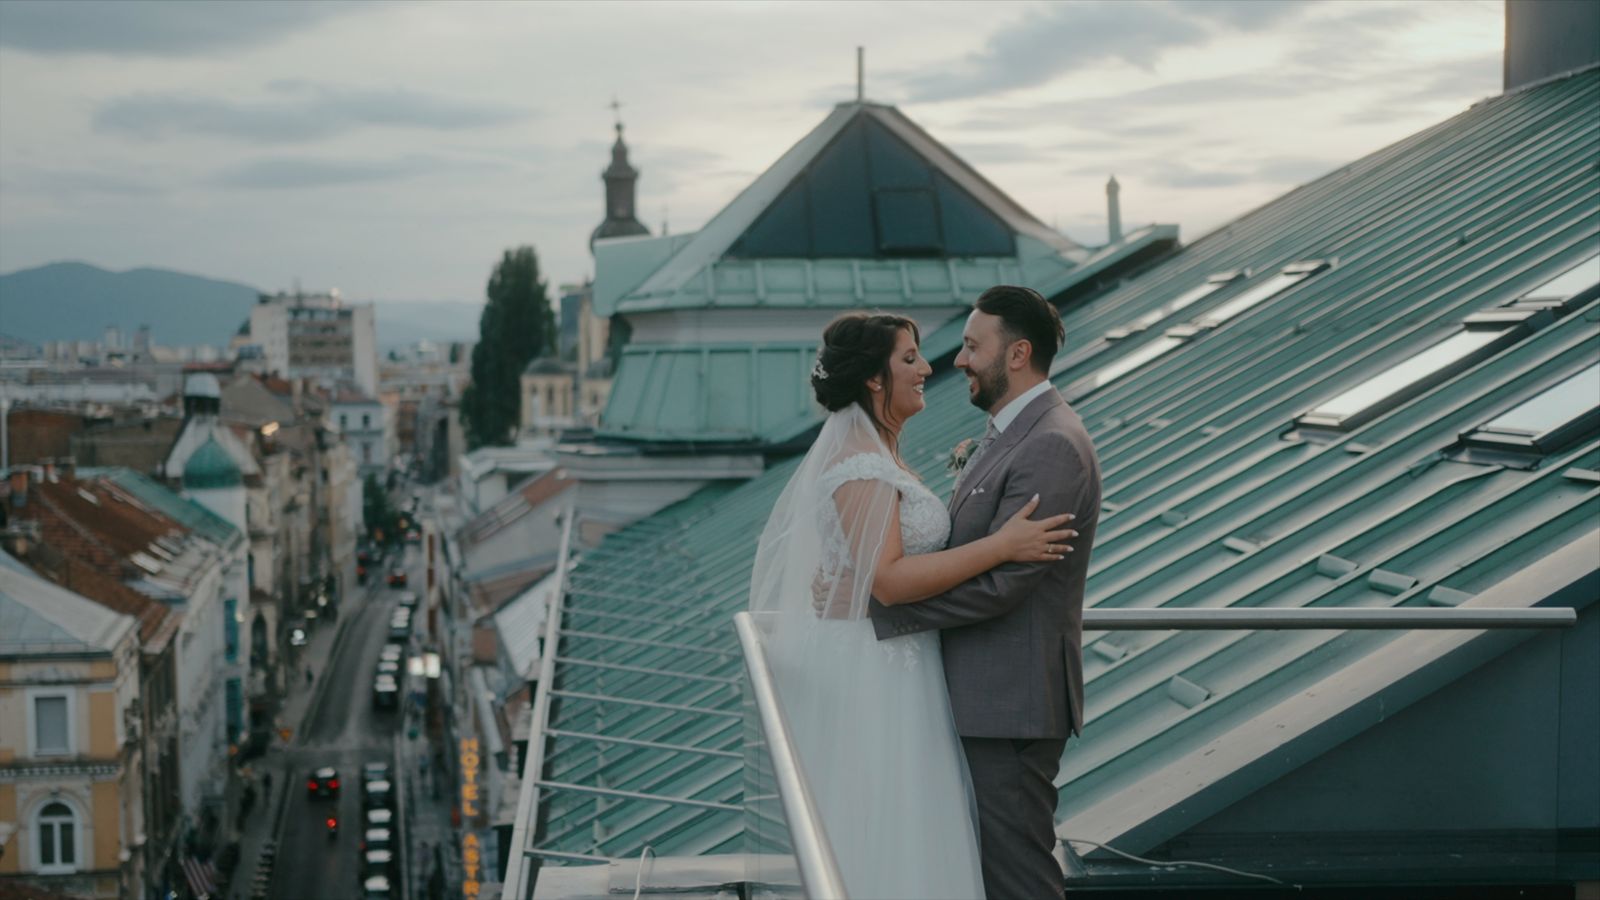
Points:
[(71, 804)]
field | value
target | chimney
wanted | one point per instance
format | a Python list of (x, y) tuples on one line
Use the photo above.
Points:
[(1113, 211), (1545, 38), (68, 467)]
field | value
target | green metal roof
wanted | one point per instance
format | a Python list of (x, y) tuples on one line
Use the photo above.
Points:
[(757, 392), (901, 158), (736, 392), (828, 227), (1214, 496), (174, 506), (211, 467)]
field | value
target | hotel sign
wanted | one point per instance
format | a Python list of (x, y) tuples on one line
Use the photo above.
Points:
[(471, 850)]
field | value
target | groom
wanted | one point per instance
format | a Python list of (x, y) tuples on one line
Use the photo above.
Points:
[(1013, 637)]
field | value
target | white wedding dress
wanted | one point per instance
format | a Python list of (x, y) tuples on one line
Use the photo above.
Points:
[(871, 719)]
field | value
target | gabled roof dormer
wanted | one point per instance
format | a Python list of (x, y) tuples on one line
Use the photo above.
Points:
[(867, 211)]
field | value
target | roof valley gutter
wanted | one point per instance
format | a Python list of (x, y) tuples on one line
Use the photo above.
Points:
[(519, 881)]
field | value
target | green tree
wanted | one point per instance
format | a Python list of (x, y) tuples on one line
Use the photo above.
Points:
[(517, 325), (377, 512)]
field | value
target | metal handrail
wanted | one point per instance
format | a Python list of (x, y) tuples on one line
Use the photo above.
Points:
[(819, 871), (1302, 619), (518, 886)]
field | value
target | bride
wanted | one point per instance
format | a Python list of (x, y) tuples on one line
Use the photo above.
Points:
[(871, 720)]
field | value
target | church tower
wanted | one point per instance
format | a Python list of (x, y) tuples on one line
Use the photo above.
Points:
[(620, 179)]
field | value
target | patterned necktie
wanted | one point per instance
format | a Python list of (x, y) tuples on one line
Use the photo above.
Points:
[(989, 437)]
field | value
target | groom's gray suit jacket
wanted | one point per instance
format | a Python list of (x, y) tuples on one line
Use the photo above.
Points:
[(1013, 636)]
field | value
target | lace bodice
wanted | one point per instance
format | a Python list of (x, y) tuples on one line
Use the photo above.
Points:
[(924, 528), (924, 521)]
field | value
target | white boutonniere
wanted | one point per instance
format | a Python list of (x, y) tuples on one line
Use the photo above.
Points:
[(959, 454)]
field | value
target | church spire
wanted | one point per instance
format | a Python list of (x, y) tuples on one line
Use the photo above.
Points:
[(620, 179)]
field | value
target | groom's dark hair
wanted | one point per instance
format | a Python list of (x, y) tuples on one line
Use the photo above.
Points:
[(1025, 315)]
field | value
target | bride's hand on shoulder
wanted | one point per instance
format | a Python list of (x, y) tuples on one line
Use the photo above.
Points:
[(1035, 540)]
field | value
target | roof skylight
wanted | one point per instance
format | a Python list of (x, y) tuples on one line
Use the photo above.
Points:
[(1176, 336), (1415, 374), (1547, 421), (1570, 283), (1106, 374), (1292, 274), (1211, 285)]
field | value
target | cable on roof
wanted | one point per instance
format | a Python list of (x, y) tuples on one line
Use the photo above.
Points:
[(638, 877), (1183, 862)]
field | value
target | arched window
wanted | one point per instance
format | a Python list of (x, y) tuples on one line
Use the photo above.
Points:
[(57, 832)]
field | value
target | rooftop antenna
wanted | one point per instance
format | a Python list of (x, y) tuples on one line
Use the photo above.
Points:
[(861, 74), (616, 112)]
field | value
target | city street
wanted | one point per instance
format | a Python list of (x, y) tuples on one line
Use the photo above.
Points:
[(342, 730)]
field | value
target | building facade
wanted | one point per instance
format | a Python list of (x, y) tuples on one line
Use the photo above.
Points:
[(317, 336), (367, 427), (71, 770)]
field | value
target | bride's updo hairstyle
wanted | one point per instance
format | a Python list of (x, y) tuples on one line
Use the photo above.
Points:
[(855, 347)]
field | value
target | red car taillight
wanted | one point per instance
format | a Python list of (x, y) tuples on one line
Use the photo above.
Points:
[(332, 822), (333, 784), (311, 785)]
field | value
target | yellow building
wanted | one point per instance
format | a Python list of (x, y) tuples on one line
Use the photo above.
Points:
[(71, 805)]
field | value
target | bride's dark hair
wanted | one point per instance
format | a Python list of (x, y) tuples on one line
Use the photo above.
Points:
[(855, 347)]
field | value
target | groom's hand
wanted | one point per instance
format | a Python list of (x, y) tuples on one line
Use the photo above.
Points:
[(1049, 469)]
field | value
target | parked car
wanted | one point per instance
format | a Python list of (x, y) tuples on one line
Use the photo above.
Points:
[(389, 667), (324, 782), (374, 770), (399, 629), (392, 651), (408, 599), (401, 618), (377, 793), (385, 693), (397, 577), (376, 887), (377, 864), (380, 817), (377, 839)]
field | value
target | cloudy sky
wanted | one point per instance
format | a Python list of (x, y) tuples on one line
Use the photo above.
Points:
[(393, 150)]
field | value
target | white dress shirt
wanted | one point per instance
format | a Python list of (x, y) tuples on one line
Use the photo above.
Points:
[(1010, 411)]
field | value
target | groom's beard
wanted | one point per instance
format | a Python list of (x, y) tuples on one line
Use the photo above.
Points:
[(993, 383)]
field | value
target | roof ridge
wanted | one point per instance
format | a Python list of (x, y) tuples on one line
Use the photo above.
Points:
[(1541, 82)]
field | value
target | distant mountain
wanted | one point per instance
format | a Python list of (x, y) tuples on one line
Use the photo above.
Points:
[(73, 301), (403, 322), (77, 301)]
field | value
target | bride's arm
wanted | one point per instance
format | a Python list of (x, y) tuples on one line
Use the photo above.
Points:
[(899, 578)]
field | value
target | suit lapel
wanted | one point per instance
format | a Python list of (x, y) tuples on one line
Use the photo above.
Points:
[(1008, 440)]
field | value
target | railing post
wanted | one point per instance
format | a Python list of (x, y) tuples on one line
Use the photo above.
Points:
[(819, 870), (518, 884)]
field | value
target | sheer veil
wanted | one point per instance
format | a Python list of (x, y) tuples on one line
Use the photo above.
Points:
[(871, 721), (819, 551)]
